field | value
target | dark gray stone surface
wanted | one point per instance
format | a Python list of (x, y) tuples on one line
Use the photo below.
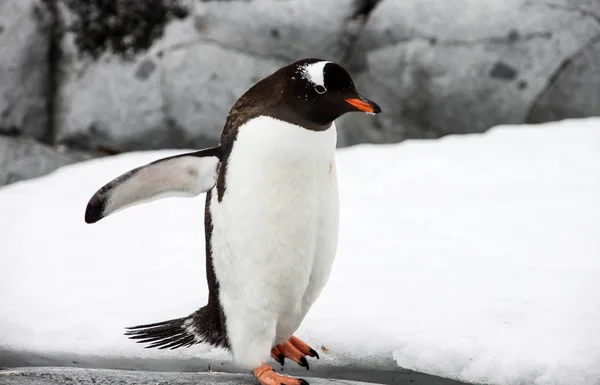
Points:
[(384, 371), (439, 68), (61, 376), (435, 69), (80, 376), (574, 91), (24, 67), (22, 158), (178, 93)]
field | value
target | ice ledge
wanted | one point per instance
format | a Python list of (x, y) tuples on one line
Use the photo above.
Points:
[(60, 376), (82, 376)]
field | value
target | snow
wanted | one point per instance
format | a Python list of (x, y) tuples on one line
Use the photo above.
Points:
[(472, 257)]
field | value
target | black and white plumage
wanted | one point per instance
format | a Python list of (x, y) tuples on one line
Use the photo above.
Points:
[(271, 214), (199, 327)]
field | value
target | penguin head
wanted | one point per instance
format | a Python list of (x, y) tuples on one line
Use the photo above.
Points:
[(321, 91)]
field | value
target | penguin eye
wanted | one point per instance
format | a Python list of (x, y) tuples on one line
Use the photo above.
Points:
[(319, 89)]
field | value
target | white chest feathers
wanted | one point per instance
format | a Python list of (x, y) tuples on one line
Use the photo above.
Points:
[(275, 230)]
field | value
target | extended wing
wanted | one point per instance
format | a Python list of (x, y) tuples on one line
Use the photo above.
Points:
[(185, 175)]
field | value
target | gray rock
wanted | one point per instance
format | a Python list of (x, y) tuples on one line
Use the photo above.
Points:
[(108, 104), (201, 84), (122, 27), (111, 94), (24, 67), (435, 69), (178, 93), (22, 159), (281, 30), (438, 69), (574, 90)]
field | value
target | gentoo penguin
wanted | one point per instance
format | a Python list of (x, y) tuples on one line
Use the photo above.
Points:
[(271, 216)]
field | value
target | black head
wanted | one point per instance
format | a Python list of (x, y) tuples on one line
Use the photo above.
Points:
[(318, 92)]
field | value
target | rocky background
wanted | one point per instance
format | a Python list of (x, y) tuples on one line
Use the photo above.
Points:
[(86, 78)]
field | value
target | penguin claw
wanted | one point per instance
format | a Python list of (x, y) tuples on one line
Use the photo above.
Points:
[(294, 349), (303, 347), (304, 362), (303, 381), (277, 355)]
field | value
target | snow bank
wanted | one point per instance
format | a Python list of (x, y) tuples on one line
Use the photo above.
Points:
[(471, 257)]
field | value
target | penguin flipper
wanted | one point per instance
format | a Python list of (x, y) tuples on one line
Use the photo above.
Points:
[(186, 175)]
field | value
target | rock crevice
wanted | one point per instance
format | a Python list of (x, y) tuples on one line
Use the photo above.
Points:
[(512, 37), (55, 34), (574, 8), (536, 113)]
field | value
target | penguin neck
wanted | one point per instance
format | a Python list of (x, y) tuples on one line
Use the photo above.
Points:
[(274, 136), (285, 113)]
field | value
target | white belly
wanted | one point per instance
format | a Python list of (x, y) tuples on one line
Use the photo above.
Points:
[(274, 232)]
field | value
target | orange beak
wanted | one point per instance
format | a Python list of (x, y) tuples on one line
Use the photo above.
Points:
[(364, 105)]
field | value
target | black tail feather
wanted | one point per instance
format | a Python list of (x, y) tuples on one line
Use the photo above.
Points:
[(170, 334), (203, 326)]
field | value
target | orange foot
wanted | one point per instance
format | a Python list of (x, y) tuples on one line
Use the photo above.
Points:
[(265, 375), (294, 349)]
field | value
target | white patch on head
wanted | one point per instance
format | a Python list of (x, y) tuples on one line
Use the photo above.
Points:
[(314, 72)]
